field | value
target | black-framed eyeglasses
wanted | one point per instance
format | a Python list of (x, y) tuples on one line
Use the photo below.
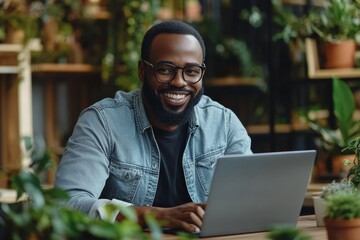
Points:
[(166, 72)]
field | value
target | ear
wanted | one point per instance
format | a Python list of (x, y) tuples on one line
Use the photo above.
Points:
[(141, 70)]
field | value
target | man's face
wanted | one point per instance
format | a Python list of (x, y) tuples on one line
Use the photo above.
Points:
[(171, 103)]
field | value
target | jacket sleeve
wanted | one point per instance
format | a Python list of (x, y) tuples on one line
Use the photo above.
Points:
[(238, 139), (84, 166)]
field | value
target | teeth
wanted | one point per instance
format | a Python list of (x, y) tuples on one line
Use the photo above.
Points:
[(175, 96)]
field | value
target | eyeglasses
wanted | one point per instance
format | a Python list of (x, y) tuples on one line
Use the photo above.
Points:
[(166, 72)]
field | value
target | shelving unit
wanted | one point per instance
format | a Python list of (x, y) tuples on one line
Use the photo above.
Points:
[(233, 92), (81, 81), (17, 77), (316, 87), (279, 128), (316, 74), (302, 90), (15, 106)]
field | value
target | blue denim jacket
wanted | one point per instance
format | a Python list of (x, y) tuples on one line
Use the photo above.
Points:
[(112, 153)]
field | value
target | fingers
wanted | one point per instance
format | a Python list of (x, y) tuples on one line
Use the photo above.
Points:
[(200, 210), (187, 216), (196, 216), (202, 205), (188, 222)]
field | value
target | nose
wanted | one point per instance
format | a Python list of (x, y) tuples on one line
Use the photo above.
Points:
[(178, 80)]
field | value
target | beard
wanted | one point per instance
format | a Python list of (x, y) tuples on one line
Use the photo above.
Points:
[(171, 117)]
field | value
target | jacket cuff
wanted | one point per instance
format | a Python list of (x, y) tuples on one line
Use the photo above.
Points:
[(98, 209)]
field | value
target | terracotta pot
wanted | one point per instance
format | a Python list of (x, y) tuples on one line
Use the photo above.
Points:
[(14, 35), (340, 55), (49, 34), (342, 229)]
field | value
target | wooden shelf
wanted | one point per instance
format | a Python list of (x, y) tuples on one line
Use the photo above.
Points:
[(318, 3), (102, 15), (314, 70), (15, 48), (279, 128), (340, 73), (64, 68), (9, 70), (235, 81)]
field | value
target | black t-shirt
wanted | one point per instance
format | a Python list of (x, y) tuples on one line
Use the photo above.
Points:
[(171, 190)]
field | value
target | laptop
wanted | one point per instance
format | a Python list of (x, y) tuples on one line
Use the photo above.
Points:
[(254, 193)]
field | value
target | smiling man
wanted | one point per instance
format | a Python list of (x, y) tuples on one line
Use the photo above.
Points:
[(155, 148)]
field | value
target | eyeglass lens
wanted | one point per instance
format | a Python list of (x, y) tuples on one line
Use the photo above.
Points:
[(167, 72)]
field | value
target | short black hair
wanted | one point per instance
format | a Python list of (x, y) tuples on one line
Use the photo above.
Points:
[(172, 26)]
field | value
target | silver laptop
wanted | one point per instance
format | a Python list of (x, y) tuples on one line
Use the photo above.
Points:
[(253, 193)]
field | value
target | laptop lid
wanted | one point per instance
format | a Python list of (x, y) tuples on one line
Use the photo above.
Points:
[(252, 193)]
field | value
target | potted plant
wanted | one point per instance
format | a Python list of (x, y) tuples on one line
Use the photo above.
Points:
[(334, 141), (329, 190), (338, 24), (346, 185), (342, 219), (124, 40), (16, 25)]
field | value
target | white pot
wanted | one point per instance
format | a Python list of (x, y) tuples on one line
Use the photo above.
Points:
[(319, 208)]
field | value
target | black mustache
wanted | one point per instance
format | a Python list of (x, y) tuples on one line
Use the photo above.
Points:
[(172, 88)]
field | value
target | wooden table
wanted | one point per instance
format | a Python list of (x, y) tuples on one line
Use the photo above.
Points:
[(307, 224)]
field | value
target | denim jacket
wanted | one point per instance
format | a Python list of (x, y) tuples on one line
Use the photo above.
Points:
[(113, 154)]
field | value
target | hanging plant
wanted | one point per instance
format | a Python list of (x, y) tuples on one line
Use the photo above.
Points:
[(125, 39)]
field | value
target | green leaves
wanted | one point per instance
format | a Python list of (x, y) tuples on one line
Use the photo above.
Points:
[(43, 214), (354, 171), (344, 106), (26, 182), (336, 187), (291, 26), (338, 21), (287, 233), (343, 205)]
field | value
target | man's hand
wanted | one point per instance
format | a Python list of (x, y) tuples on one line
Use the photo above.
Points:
[(188, 216)]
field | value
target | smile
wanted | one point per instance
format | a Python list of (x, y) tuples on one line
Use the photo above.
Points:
[(175, 96)]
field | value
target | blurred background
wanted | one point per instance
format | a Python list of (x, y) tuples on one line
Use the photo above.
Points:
[(265, 60)]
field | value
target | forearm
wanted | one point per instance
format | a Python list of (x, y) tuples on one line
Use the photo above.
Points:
[(141, 212)]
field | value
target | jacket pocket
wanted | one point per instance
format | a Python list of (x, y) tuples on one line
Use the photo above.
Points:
[(124, 181), (205, 167)]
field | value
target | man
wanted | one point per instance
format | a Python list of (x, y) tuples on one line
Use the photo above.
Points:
[(154, 148)]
